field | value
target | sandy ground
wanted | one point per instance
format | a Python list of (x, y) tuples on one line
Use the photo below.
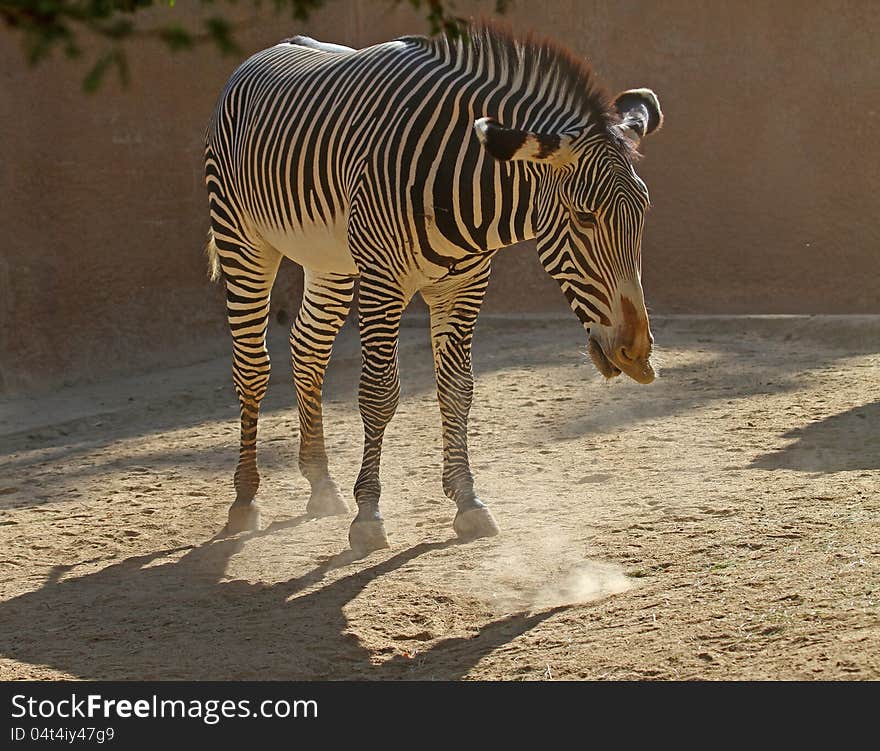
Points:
[(722, 523)]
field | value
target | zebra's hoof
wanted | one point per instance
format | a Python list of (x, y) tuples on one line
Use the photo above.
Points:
[(326, 500), (366, 537), (474, 523), (243, 517)]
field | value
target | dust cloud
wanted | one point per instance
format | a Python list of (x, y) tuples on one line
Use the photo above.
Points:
[(545, 573)]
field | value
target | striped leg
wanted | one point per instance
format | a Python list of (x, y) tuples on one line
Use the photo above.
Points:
[(249, 273), (380, 308), (325, 305), (454, 305)]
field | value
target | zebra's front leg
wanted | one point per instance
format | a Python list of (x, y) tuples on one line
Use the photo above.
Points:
[(325, 306), (455, 305), (379, 313), (248, 290)]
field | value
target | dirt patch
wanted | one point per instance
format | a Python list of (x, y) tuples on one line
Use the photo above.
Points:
[(723, 522)]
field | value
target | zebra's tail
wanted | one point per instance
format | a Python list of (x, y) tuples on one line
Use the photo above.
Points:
[(213, 258)]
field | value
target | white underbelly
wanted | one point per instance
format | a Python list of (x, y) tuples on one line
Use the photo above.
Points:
[(317, 247)]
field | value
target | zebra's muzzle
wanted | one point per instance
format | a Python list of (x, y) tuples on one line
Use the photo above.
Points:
[(639, 369), (601, 361)]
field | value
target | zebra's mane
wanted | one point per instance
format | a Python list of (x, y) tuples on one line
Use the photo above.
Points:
[(550, 73)]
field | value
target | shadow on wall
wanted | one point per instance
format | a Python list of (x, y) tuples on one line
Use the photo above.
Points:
[(152, 617), (839, 443)]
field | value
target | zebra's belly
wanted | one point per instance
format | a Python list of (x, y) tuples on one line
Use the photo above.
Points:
[(317, 247)]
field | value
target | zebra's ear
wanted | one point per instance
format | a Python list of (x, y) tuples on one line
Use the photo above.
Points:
[(510, 144), (640, 113)]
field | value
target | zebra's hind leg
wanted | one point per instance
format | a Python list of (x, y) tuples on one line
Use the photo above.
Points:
[(454, 305), (380, 308), (249, 273), (325, 306)]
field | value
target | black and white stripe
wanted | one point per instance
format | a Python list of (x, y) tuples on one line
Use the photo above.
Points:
[(408, 164)]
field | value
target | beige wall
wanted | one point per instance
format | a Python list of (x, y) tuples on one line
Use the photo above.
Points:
[(764, 181)]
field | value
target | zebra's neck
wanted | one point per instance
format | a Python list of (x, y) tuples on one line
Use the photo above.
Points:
[(463, 201)]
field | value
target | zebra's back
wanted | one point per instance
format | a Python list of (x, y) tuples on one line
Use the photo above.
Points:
[(291, 135)]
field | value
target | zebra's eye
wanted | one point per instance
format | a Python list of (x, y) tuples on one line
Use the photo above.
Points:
[(586, 219)]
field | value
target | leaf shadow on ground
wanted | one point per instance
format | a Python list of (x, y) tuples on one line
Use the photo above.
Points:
[(835, 444), (723, 376), (590, 408)]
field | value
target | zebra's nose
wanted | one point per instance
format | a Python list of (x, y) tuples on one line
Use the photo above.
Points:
[(633, 342), (624, 354), (636, 366), (630, 358)]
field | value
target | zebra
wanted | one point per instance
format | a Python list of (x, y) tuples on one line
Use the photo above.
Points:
[(406, 166)]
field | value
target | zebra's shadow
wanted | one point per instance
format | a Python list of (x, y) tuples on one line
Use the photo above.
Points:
[(170, 615)]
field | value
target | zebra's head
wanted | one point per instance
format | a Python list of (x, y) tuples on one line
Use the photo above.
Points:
[(588, 218)]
